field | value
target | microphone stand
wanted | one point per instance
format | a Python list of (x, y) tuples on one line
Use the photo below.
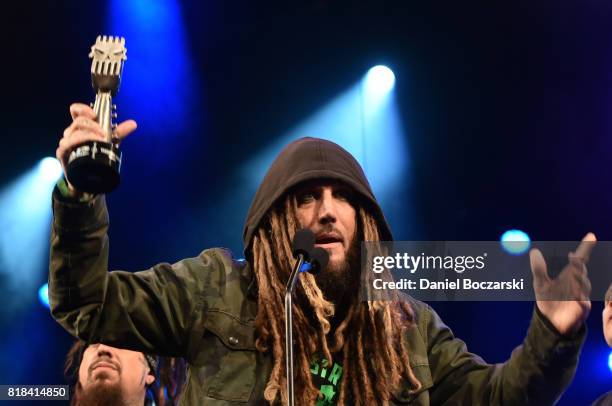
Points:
[(300, 266)]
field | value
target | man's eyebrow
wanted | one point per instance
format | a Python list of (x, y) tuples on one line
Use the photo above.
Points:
[(346, 189), (308, 187), (315, 186)]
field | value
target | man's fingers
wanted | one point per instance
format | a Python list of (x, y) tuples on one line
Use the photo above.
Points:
[(82, 123), (125, 128), (79, 137), (586, 246), (582, 287), (80, 109), (84, 118), (538, 266)]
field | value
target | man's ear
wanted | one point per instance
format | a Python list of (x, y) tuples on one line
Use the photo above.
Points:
[(149, 379)]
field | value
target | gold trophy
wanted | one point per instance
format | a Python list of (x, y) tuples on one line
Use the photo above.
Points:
[(93, 166)]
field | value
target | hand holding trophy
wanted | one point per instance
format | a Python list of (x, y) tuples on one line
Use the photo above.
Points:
[(89, 150)]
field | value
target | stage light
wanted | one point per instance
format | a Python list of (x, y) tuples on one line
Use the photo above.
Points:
[(159, 77), (50, 169), (365, 120), (610, 361), (25, 217), (376, 96), (515, 242), (43, 295), (379, 79)]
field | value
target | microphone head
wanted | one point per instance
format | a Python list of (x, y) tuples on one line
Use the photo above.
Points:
[(319, 259), (303, 243)]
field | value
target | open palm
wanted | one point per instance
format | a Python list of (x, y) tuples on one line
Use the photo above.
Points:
[(564, 300)]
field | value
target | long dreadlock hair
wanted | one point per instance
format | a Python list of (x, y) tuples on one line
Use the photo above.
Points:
[(374, 356)]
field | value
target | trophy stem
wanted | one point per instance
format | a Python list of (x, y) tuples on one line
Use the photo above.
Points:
[(103, 106)]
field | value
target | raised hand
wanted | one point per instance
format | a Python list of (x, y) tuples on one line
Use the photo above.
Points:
[(85, 128), (564, 300)]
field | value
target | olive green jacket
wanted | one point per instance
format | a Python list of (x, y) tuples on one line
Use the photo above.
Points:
[(204, 308)]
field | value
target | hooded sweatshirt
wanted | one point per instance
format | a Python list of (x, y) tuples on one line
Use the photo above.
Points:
[(306, 159)]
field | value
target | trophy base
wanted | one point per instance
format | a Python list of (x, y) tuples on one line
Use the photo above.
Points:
[(93, 167)]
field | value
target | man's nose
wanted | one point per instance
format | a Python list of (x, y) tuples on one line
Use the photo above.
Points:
[(104, 350), (327, 209)]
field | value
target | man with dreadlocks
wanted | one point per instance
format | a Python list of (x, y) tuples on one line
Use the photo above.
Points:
[(225, 316)]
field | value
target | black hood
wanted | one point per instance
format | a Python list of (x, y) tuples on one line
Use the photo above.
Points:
[(306, 159)]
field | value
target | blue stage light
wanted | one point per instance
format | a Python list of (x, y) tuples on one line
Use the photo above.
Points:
[(376, 96), (366, 121), (43, 295), (380, 79), (159, 77), (50, 169), (515, 242), (610, 361), (25, 216)]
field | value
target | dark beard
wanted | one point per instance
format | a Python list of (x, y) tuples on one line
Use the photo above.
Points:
[(340, 282), (101, 395)]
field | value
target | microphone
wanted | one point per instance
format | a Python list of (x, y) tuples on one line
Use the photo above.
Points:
[(303, 243), (319, 258), (315, 259)]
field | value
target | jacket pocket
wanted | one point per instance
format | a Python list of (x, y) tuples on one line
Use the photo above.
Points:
[(420, 368), (235, 379)]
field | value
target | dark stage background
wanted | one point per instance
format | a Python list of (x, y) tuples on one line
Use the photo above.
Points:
[(504, 116)]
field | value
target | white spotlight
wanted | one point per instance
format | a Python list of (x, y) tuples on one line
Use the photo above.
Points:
[(380, 79), (50, 169)]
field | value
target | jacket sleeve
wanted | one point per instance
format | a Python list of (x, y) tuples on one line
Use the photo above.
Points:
[(153, 311), (537, 372)]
